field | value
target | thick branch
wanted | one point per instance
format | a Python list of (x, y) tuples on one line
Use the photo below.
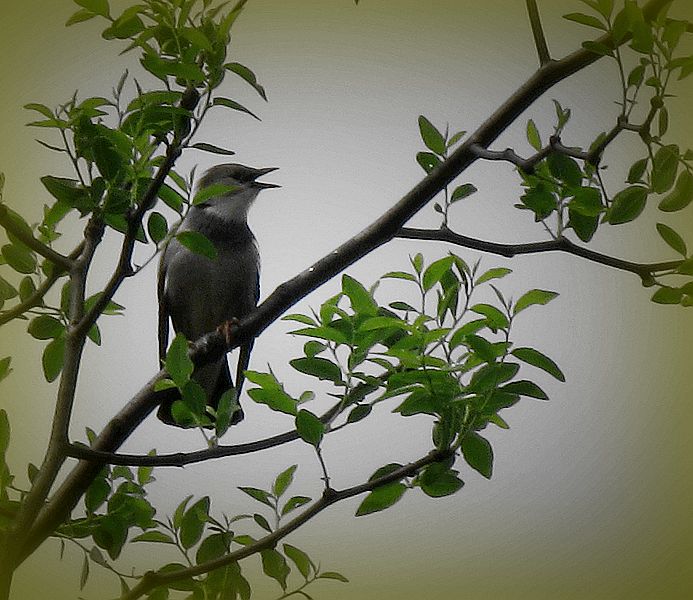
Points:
[(60, 261), (152, 580), (644, 270), (180, 459), (289, 293)]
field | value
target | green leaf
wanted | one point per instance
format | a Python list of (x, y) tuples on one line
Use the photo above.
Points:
[(300, 559), (537, 359), (193, 522), (213, 547), (154, 536), (283, 481), (99, 7), (672, 238), (478, 453), (333, 575), (427, 160), (5, 369), (248, 76), (540, 200), (228, 406), (52, 359), (68, 191), (438, 480), (96, 494), (686, 267), (259, 495), (318, 367), (213, 149), (533, 135), (495, 318), (293, 503), (274, 566), (667, 295), (4, 432), (157, 227), (435, 271), (309, 427), (583, 226), (627, 205), (232, 104), (564, 168), (197, 38), (462, 191), (79, 17), (681, 195), (496, 273), (381, 498), (533, 297), (45, 327), (197, 243), (361, 300), (20, 258), (433, 139), (588, 20), (212, 191), (399, 275), (525, 388), (586, 201), (664, 168), (178, 364)]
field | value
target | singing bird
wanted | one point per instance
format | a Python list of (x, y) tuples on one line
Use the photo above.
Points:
[(198, 293)]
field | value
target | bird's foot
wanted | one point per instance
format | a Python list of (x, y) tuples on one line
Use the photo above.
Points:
[(228, 330)]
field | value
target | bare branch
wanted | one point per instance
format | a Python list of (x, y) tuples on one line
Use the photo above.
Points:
[(646, 271)]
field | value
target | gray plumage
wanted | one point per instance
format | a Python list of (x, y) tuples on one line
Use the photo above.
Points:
[(199, 294)]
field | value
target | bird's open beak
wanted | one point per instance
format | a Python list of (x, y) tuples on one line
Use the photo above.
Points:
[(262, 184)]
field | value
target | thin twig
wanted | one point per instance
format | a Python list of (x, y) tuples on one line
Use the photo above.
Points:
[(538, 33), (645, 271)]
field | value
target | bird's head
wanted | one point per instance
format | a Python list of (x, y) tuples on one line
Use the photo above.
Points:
[(238, 186)]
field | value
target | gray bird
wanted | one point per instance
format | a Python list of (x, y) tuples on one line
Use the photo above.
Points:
[(199, 294)]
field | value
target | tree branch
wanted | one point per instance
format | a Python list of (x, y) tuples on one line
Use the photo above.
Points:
[(538, 32), (292, 291), (645, 271), (152, 579), (180, 459), (24, 236)]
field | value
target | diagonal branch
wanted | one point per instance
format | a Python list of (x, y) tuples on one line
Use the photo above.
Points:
[(152, 580), (24, 236), (645, 271), (292, 291)]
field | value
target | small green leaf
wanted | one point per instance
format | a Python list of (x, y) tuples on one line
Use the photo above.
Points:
[(427, 160), (462, 191), (438, 480), (283, 481), (433, 139), (157, 227), (333, 575), (496, 273), (627, 205), (686, 267), (228, 406), (5, 369), (259, 495), (588, 20), (45, 327), (99, 7), (232, 104), (667, 295), (274, 566), (586, 201), (681, 196), (178, 364), (213, 149), (381, 498), (533, 297), (20, 258), (664, 168), (300, 559), (525, 388), (197, 243), (537, 359), (193, 522), (672, 238), (533, 135), (564, 168), (318, 367), (52, 359), (248, 76), (293, 503), (158, 537), (309, 427), (361, 300), (478, 453), (435, 271)]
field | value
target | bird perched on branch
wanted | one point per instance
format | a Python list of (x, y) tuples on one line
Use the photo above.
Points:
[(199, 294)]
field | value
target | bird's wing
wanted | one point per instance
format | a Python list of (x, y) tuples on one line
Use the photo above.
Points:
[(163, 309)]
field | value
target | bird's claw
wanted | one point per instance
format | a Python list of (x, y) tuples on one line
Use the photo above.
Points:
[(228, 329)]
